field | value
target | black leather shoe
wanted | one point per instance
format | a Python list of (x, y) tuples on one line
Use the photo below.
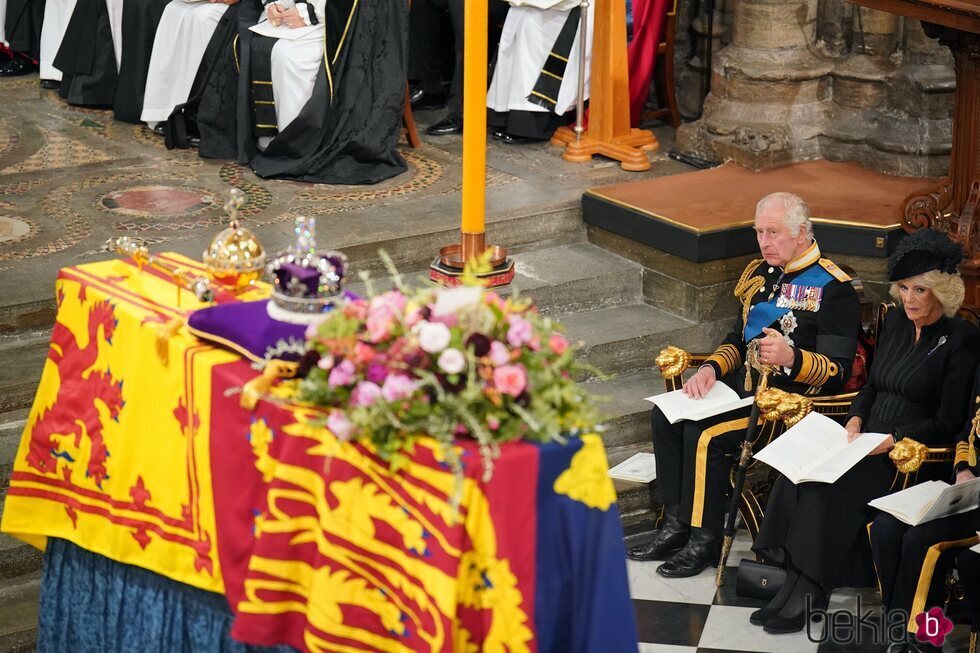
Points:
[(193, 141), (419, 99), (783, 625), (160, 129), (446, 126), (50, 84), (702, 550), (898, 647), (510, 139), (761, 616), (913, 645), (667, 539), (16, 67)]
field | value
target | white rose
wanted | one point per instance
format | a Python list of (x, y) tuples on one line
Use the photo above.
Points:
[(452, 361), (433, 336)]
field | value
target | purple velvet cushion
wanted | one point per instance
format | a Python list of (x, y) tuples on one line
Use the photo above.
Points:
[(247, 328)]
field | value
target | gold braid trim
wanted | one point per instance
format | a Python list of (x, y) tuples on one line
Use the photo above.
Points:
[(908, 455), (672, 361), (776, 404), (727, 357), (815, 369), (748, 286)]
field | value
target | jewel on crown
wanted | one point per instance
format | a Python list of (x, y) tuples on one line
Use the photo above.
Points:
[(306, 281)]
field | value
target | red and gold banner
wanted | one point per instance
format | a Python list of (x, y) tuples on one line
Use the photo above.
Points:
[(115, 455)]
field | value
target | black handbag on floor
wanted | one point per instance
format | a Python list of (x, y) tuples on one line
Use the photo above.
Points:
[(757, 580)]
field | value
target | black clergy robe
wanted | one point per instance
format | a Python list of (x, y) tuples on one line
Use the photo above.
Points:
[(348, 131), (87, 58), (22, 26), (139, 23)]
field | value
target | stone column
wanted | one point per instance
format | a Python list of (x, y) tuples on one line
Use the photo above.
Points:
[(770, 91)]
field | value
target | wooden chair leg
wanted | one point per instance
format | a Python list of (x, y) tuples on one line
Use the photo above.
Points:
[(408, 120)]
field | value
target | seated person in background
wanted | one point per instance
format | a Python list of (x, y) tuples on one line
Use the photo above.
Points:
[(968, 569), (185, 29), (140, 20), (22, 33), (324, 119), (918, 387), (56, 15), (911, 580), (535, 79), (803, 314), (90, 53)]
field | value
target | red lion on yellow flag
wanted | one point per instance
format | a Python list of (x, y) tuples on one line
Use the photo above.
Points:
[(75, 411)]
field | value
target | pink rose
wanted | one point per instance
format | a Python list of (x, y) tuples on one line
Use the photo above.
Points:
[(343, 374), (558, 344), (433, 336), (339, 425), (499, 354), (356, 309), (510, 379), (364, 353), (382, 313), (493, 423), (365, 394), (397, 387), (452, 361), (519, 333)]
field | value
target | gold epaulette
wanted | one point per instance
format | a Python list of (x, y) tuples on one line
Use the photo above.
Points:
[(834, 271), (745, 281), (727, 358), (815, 369)]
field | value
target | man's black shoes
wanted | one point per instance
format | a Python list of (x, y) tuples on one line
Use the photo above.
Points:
[(16, 67), (446, 126), (702, 550), (50, 84), (510, 139), (666, 540), (420, 99)]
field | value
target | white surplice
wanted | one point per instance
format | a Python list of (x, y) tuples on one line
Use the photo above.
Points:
[(181, 39), (57, 13), (526, 39)]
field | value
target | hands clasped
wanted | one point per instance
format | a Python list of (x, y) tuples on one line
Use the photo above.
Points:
[(288, 17)]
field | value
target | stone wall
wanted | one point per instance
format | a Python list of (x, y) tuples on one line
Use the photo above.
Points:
[(814, 79)]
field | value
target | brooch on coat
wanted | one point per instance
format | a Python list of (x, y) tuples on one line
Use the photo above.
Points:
[(788, 324), (942, 341)]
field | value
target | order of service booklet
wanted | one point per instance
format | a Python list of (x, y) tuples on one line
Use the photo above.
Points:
[(641, 467), (930, 500), (816, 449), (677, 406)]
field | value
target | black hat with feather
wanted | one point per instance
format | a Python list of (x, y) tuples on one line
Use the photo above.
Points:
[(921, 251)]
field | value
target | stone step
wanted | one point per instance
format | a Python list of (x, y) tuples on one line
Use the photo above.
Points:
[(23, 354), (625, 339), (16, 557), (562, 279), (18, 614)]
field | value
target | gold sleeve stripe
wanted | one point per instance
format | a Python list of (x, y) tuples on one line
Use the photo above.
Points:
[(962, 454), (727, 358), (815, 369)]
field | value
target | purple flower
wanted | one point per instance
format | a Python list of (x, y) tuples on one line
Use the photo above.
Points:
[(376, 373), (398, 387), (342, 374), (365, 394), (519, 333), (479, 343), (339, 425)]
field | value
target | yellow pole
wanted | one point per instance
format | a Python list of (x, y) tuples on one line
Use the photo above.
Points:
[(474, 124)]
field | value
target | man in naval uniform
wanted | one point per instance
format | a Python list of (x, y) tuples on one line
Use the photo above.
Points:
[(804, 315)]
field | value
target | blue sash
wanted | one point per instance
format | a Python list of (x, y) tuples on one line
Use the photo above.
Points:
[(763, 314)]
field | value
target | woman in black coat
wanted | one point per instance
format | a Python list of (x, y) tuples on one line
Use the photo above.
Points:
[(918, 387)]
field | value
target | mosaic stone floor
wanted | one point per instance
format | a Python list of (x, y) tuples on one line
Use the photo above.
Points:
[(71, 177)]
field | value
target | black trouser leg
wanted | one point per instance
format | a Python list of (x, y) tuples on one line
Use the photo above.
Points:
[(426, 47), (708, 447), (668, 448), (968, 568), (886, 547)]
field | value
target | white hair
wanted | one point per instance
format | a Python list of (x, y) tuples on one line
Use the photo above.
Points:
[(796, 213)]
